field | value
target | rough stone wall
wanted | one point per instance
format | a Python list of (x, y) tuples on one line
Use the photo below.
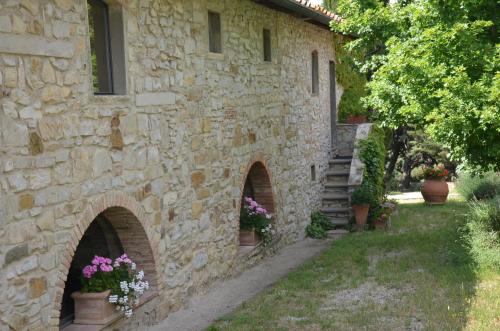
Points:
[(174, 150), (346, 134)]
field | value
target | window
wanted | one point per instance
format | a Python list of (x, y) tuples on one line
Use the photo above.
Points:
[(267, 45), (214, 32), (107, 53), (313, 173), (314, 73)]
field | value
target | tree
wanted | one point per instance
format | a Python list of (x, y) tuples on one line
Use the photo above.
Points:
[(434, 65)]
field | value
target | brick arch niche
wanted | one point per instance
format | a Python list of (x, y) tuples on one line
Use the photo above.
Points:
[(258, 186), (113, 231)]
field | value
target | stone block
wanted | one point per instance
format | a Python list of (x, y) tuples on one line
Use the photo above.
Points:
[(196, 209), (16, 253), (26, 201), (37, 287), (155, 99), (197, 178)]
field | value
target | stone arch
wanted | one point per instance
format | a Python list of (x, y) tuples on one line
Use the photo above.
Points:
[(130, 224), (259, 176)]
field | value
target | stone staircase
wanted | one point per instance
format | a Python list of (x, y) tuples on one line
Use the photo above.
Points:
[(344, 174), (335, 197)]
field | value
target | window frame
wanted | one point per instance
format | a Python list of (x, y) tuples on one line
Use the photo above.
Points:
[(267, 45), (214, 41), (314, 73), (107, 49)]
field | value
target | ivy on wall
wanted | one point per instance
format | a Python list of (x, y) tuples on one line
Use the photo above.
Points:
[(372, 154), (350, 79)]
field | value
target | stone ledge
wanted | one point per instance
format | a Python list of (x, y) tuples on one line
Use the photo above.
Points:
[(32, 45)]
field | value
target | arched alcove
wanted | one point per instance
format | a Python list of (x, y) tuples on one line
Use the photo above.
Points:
[(112, 225), (257, 185)]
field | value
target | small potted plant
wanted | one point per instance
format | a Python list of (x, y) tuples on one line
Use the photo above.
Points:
[(435, 189), (360, 201), (382, 219), (255, 224), (107, 284)]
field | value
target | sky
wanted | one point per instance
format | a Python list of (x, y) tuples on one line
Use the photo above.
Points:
[(316, 2)]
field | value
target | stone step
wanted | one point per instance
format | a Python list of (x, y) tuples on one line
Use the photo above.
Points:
[(334, 196), (338, 221), (338, 233), (337, 183), (340, 162), (336, 212), (337, 173)]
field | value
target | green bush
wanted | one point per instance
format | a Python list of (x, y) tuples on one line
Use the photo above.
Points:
[(483, 232), (362, 195), (319, 225), (372, 154), (484, 186)]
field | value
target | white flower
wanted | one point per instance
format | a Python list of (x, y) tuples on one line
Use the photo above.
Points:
[(140, 275), (113, 298), (133, 266), (128, 313)]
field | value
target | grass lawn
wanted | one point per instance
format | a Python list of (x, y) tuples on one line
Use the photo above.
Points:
[(416, 276)]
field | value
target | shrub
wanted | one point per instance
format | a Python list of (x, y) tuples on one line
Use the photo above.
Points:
[(319, 225), (362, 195), (372, 154), (483, 232), (479, 187)]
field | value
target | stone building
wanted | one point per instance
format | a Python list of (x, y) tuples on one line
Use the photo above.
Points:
[(134, 125)]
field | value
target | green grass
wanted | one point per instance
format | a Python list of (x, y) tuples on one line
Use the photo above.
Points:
[(417, 276)]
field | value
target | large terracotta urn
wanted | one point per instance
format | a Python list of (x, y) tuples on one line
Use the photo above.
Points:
[(435, 192), (248, 238), (361, 213), (93, 308)]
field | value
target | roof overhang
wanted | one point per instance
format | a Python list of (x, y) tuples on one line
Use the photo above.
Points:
[(303, 10)]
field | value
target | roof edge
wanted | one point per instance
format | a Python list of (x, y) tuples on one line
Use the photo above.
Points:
[(315, 14)]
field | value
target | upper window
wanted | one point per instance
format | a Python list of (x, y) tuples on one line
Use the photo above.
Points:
[(106, 48), (267, 45), (314, 72), (214, 32)]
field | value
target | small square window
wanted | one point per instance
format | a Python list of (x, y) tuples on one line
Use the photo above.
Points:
[(267, 45), (314, 73), (214, 32)]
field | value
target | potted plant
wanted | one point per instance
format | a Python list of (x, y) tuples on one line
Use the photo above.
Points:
[(107, 283), (382, 219), (255, 224), (360, 201), (435, 189)]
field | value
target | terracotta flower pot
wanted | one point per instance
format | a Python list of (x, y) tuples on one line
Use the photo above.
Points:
[(356, 119), (93, 308), (248, 238), (380, 224), (435, 192), (361, 213)]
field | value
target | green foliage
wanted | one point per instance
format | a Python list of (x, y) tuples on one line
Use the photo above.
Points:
[(362, 195), (433, 65), (483, 232), (352, 81), (319, 225), (372, 154), (484, 186)]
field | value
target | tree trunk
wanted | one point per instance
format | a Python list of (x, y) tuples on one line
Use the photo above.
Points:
[(398, 147)]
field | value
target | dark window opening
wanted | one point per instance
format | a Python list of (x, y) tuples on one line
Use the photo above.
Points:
[(314, 73), (267, 45), (100, 47), (313, 173), (214, 32)]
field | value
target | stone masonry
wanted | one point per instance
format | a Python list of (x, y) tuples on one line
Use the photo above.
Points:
[(173, 151)]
